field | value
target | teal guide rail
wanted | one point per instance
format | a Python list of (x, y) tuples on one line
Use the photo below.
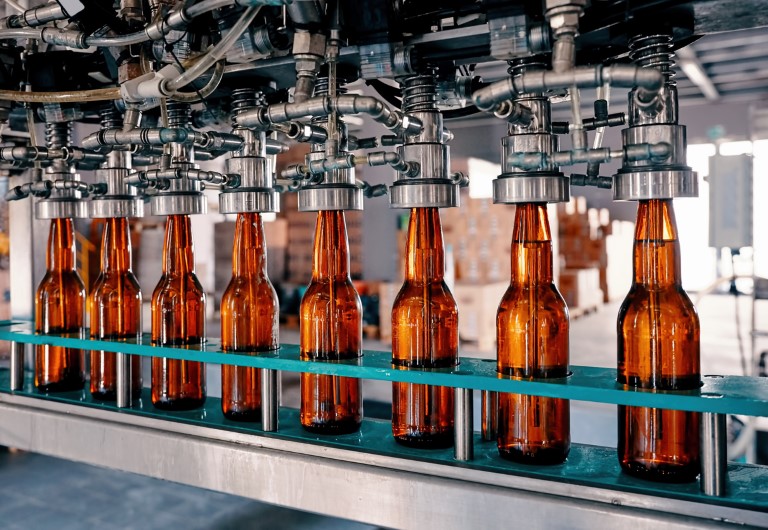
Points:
[(586, 465), (718, 394)]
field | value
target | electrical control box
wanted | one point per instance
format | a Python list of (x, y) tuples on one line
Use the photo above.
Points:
[(730, 201)]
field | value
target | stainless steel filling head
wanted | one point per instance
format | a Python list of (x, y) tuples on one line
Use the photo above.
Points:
[(511, 189), (424, 193), (61, 208), (330, 197), (192, 203), (655, 183), (115, 206), (256, 200)]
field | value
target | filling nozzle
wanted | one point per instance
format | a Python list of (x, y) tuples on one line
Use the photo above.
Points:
[(422, 162), (654, 163), (248, 185), (183, 195)]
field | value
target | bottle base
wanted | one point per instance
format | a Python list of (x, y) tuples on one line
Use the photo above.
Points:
[(426, 440), (541, 456), (179, 403), (670, 473), (253, 415), (104, 395), (65, 385), (111, 395), (333, 427)]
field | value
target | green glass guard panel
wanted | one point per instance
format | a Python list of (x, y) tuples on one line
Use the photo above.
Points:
[(726, 394), (587, 465)]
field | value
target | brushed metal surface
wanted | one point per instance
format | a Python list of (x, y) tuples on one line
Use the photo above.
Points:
[(376, 489)]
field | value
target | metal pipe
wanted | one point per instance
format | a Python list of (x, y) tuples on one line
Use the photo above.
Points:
[(649, 81), (463, 430), (209, 88), (124, 377), (714, 454), (216, 53), (17, 365), (81, 96), (320, 107), (270, 399), (490, 407)]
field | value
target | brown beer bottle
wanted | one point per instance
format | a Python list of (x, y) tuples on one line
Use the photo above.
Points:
[(425, 334), (115, 309), (532, 343), (178, 319), (249, 319), (331, 329), (658, 348), (60, 308)]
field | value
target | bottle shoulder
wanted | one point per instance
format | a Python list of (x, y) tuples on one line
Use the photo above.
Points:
[(417, 294), (671, 305), (68, 281), (249, 289), (177, 285)]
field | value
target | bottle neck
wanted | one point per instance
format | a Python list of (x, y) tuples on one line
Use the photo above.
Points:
[(61, 246), (331, 250), (249, 255), (116, 252), (656, 249), (531, 245), (425, 253), (178, 250)]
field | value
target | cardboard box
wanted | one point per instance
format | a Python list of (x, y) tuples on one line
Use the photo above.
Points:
[(581, 288), (478, 304)]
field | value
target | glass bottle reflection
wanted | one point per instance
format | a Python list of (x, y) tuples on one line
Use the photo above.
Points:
[(178, 319), (532, 342), (331, 329), (60, 308), (115, 309), (424, 335), (249, 318), (658, 348)]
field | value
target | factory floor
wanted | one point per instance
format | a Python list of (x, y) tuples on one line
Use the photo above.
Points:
[(39, 492)]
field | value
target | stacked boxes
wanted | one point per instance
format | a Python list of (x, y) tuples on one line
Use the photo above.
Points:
[(479, 232), (596, 254)]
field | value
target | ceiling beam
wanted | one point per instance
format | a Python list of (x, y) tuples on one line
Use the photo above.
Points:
[(692, 68)]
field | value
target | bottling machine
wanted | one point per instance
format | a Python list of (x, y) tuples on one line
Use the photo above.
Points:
[(171, 83)]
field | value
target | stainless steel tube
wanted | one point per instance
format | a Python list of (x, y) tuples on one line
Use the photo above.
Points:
[(649, 80), (463, 426), (714, 454), (270, 399), (124, 377), (17, 365), (490, 411)]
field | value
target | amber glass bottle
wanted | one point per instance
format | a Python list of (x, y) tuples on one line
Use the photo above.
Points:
[(178, 319), (331, 329), (425, 334), (60, 308), (532, 342), (249, 319), (658, 348), (115, 309)]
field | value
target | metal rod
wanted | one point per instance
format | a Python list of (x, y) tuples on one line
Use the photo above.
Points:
[(463, 429), (490, 409), (714, 454), (124, 378), (270, 401), (17, 365)]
